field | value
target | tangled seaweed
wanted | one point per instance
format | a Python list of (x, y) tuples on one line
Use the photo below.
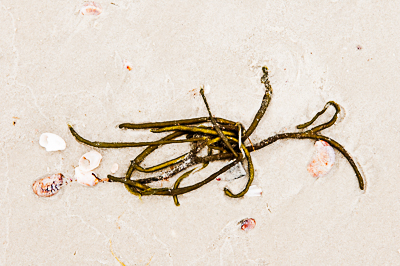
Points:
[(224, 141)]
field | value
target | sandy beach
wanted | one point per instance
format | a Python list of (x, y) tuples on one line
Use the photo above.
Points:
[(59, 66)]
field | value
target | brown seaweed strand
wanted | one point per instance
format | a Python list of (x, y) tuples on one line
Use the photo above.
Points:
[(179, 191), (177, 183), (190, 121), (216, 127), (192, 129), (310, 135), (251, 174), (133, 190), (180, 165), (324, 125), (177, 168), (99, 144), (161, 165), (264, 104), (132, 185), (146, 152)]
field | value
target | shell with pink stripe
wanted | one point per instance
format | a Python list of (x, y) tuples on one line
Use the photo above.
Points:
[(322, 160)]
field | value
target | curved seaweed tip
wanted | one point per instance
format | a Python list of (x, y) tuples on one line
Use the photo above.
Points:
[(249, 181), (324, 125), (345, 153), (311, 135), (133, 191)]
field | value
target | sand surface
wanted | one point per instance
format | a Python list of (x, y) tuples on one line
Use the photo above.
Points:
[(58, 66)]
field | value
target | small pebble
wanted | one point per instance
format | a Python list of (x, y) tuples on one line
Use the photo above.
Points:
[(114, 168), (128, 65)]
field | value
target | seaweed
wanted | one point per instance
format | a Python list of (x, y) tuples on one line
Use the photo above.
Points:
[(224, 140)]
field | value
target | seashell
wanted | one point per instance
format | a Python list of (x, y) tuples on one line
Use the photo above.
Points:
[(247, 224), (91, 8), (322, 160), (90, 161), (114, 168), (235, 172), (128, 65), (86, 178), (254, 191), (48, 186), (207, 89), (52, 142)]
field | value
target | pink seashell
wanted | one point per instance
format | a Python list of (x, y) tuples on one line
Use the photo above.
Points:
[(91, 8), (322, 160), (48, 186), (247, 224)]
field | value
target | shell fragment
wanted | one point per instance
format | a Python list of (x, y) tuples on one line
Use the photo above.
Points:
[(235, 172), (254, 191), (52, 142), (83, 173), (90, 161), (128, 65), (114, 168), (86, 178), (91, 8)]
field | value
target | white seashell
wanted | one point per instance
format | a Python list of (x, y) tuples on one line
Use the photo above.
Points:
[(322, 160), (86, 178), (90, 161), (52, 142), (48, 186), (114, 168), (91, 8), (233, 173), (254, 191), (207, 89)]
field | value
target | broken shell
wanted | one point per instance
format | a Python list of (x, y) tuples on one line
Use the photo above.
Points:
[(128, 65), (86, 178), (90, 161), (235, 172), (322, 160), (114, 168), (52, 142), (247, 224), (48, 186), (91, 8), (254, 191)]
